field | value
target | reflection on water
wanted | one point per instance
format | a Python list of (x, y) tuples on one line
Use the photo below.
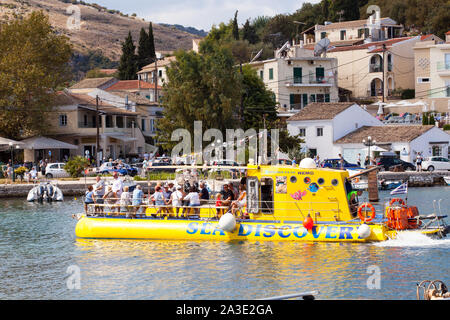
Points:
[(38, 244)]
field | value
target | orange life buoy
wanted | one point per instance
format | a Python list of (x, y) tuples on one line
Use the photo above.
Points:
[(372, 212), (399, 200), (356, 180)]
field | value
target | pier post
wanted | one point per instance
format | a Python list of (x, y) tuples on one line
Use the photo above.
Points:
[(372, 180)]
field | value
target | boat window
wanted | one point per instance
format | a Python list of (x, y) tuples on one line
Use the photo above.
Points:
[(321, 181), (334, 182), (307, 180), (267, 195), (293, 179), (252, 195), (281, 186)]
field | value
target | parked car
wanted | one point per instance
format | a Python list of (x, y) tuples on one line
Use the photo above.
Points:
[(334, 163), (111, 167), (56, 170), (158, 165), (388, 161), (225, 163), (435, 163)]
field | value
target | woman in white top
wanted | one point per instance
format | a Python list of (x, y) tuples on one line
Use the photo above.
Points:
[(175, 199), (194, 199), (125, 199)]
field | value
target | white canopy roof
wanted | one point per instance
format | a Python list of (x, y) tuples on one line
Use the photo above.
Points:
[(39, 143), (7, 141)]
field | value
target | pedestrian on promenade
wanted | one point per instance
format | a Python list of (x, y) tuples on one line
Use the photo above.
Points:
[(419, 162)]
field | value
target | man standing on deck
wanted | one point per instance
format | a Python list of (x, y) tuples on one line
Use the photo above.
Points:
[(117, 186)]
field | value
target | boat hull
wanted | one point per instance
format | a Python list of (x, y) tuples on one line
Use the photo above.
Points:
[(183, 229)]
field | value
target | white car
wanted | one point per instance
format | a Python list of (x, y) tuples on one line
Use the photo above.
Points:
[(56, 170), (436, 163)]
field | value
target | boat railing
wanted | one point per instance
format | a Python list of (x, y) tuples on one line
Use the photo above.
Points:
[(291, 209)]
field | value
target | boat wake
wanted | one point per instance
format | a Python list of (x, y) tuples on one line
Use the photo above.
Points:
[(414, 239)]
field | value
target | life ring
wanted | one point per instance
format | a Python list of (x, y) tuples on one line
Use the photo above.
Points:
[(356, 180), (399, 200), (372, 212)]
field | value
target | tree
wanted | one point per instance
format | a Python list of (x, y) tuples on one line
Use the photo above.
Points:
[(151, 43), (200, 88), (143, 56), (128, 67), (34, 64), (235, 27), (249, 33)]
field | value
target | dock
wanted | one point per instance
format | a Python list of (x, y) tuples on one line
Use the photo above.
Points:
[(416, 179)]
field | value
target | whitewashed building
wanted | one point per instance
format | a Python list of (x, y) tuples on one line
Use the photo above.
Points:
[(321, 124)]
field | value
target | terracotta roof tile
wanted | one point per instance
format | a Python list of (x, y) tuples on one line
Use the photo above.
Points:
[(131, 85), (385, 134), (320, 111), (91, 83), (369, 44), (351, 24)]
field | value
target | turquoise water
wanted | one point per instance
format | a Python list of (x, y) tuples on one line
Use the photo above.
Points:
[(38, 247)]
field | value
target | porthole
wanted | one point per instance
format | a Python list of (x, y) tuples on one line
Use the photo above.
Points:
[(334, 182), (293, 179), (321, 181), (307, 180)]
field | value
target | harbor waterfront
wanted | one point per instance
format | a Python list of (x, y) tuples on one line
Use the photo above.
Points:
[(40, 255)]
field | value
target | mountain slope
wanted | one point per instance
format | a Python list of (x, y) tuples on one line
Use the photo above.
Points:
[(100, 28)]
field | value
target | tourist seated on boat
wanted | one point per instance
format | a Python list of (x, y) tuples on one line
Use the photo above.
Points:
[(88, 199), (353, 201), (219, 210), (125, 200), (194, 200), (158, 199), (204, 194), (241, 203), (109, 199), (176, 199), (227, 196), (167, 193), (136, 200)]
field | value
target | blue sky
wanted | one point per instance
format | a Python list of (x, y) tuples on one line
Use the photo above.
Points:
[(201, 14)]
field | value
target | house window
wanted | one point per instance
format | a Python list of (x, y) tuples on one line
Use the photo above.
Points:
[(63, 120), (423, 80), (270, 74), (143, 124), (323, 35), (343, 34), (320, 97), (437, 151), (297, 75), (160, 73), (108, 122), (261, 74), (152, 126), (119, 122), (319, 132), (302, 132)]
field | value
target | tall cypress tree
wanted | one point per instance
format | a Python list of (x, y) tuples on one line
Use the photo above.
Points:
[(151, 43), (235, 27), (249, 33), (144, 57), (128, 60)]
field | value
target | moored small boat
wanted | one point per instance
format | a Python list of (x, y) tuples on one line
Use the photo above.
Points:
[(45, 191), (447, 180)]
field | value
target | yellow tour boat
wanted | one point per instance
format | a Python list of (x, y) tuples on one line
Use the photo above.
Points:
[(283, 203)]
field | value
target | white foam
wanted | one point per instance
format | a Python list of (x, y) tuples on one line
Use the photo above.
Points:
[(414, 239)]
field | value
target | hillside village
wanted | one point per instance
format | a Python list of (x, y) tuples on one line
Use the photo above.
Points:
[(333, 85)]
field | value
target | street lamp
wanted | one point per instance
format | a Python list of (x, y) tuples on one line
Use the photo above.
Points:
[(369, 143), (12, 161), (298, 23)]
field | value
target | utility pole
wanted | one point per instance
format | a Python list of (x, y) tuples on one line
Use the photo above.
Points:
[(98, 132), (242, 100), (156, 80), (383, 66)]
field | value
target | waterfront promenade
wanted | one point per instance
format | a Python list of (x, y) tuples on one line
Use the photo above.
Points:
[(78, 187)]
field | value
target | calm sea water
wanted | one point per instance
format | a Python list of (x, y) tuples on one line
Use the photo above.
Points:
[(38, 247)]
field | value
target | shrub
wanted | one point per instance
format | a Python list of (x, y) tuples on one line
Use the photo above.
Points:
[(75, 166), (446, 127), (408, 94)]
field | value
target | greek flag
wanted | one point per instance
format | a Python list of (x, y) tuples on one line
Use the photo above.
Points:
[(401, 189)]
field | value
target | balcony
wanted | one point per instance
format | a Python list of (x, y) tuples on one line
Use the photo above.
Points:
[(443, 68), (310, 82), (375, 67)]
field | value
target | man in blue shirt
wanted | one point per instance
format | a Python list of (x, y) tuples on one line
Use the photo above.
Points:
[(137, 199)]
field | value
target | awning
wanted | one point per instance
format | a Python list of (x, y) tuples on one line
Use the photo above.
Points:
[(41, 143), (118, 136), (4, 141)]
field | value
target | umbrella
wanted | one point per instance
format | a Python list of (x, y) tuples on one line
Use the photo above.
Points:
[(432, 108), (374, 148), (40, 143), (380, 107), (4, 141)]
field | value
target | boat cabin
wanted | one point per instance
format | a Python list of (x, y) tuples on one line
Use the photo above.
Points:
[(291, 193)]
